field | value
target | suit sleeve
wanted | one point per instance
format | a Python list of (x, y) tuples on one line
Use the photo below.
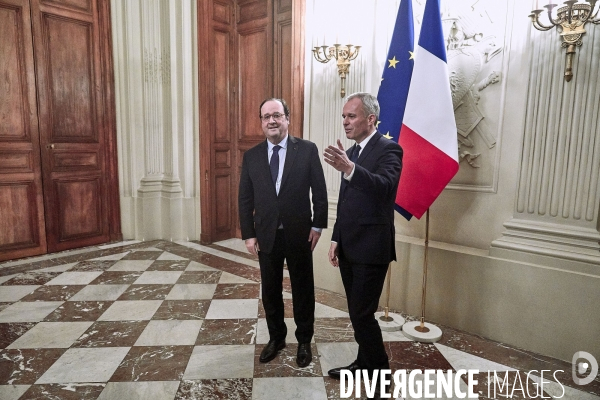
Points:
[(246, 202), (384, 180), (319, 190)]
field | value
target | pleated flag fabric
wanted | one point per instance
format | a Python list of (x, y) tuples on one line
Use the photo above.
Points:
[(428, 130)]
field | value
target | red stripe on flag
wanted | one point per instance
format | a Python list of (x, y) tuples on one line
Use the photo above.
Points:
[(426, 170)]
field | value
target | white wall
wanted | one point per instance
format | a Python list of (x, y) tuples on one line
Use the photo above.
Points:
[(514, 252)]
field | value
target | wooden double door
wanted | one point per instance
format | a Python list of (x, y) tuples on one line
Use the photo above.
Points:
[(249, 50), (58, 176)]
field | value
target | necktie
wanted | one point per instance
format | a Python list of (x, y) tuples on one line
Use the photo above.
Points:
[(354, 155), (274, 164)]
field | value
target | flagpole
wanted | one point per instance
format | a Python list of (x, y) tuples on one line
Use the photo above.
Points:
[(422, 331), (389, 322)]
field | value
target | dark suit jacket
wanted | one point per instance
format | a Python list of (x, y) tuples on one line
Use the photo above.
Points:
[(261, 209), (364, 228)]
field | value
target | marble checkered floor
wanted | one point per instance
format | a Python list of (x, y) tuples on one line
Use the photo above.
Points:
[(163, 320)]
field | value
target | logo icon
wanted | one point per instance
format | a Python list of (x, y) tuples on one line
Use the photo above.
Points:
[(584, 363)]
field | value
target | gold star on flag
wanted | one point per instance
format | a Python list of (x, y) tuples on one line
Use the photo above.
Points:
[(412, 55), (377, 124), (387, 136), (393, 62)]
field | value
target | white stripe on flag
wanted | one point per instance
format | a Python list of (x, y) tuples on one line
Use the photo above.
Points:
[(429, 110)]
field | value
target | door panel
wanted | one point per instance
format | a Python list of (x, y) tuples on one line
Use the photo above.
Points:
[(21, 199), (246, 50), (66, 38)]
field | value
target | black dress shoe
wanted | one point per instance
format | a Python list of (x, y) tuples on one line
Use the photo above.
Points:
[(270, 350), (304, 355), (335, 372)]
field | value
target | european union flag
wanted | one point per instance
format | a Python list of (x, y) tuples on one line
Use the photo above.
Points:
[(395, 81)]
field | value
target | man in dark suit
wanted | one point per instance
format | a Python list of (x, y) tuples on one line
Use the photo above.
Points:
[(363, 235), (278, 176)]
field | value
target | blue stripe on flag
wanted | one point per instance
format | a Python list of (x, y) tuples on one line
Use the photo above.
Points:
[(432, 34)]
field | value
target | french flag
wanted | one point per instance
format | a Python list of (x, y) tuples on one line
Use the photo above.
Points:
[(428, 131)]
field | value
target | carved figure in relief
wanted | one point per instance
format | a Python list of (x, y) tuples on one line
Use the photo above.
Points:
[(467, 51)]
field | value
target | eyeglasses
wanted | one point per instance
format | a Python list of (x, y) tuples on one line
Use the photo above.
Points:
[(276, 117)]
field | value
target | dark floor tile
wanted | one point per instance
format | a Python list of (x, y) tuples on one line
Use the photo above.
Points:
[(95, 265), (237, 291), (64, 391), (53, 293), (111, 334), (79, 311), (9, 332), (25, 366), (32, 278), (415, 355), (288, 309), (215, 389), (168, 265), (227, 331), (146, 292), (153, 363), (200, 277), (182, 310), (142, 255)]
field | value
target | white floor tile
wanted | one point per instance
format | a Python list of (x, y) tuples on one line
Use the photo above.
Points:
[(216, 362), (335, 355), (99, 293), (233, 308), (131, 265), (226, 277), (169, 333), (196, 266), (131, 310), (15, 293), (85, 365), (47, 335), (158, 277), (322, 311), (12, 392), (192, 291), (75, 278), (28, 311)]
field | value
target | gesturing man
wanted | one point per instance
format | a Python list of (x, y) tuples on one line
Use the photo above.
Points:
[(277, 223), (363, 235)]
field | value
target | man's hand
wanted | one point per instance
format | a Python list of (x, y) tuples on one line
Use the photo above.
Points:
[(313, 238), (252, 246), (337, 158), (333, 254)]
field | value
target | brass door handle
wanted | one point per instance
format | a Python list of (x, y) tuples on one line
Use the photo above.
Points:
[(50, 146)]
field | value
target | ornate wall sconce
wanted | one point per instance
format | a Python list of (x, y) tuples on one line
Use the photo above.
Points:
[(343, 55), (570, 21)]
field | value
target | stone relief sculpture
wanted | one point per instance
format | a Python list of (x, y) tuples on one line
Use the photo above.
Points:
[(467, 51)]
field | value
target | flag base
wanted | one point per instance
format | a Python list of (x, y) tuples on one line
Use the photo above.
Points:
[(392, 324), (431, 333)]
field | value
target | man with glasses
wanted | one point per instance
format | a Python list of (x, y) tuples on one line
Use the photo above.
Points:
[(277, 223)]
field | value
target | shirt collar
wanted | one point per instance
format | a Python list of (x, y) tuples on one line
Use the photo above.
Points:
[(282, 144), (364, 143)]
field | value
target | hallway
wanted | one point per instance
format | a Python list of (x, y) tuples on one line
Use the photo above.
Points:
[(165, 320)]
